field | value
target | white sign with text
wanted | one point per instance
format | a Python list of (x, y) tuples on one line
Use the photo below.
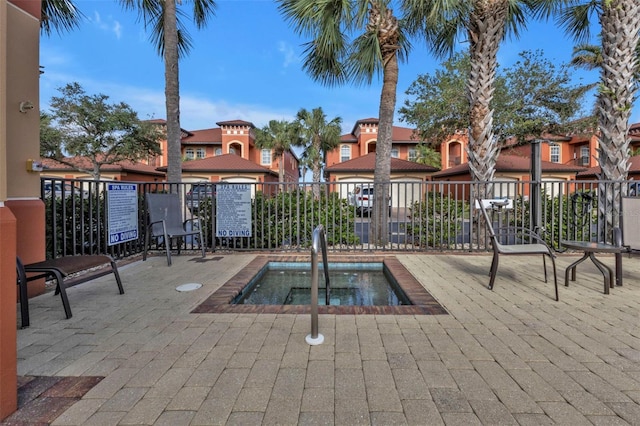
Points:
[(122, 212), (233, 210)]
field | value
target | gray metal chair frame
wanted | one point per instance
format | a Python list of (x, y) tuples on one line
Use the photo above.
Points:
[(539, 247), (165, 220), (630, 225)]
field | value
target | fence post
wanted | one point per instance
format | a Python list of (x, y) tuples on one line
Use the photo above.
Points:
[(536, 181)]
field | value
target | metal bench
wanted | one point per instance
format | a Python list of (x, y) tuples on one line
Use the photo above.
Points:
[(58, 269)]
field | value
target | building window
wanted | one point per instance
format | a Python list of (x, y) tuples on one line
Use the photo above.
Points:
[(201, 153), (395, 153), (345, 153), (266, 157), (555, 153), (584, 155), (218, 151), (189, 154), (232, 150), (413, 155)]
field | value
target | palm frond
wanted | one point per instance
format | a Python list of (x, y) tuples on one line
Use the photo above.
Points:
[(202, 11), (365, 59), (575, 20), (59, 15)]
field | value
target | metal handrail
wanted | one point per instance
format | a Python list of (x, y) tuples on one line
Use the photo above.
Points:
[(319, 243)]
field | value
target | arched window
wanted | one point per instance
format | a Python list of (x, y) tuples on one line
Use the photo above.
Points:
[(371, 147), (455, 153), (218, 151)]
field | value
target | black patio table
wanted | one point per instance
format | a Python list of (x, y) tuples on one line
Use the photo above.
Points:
[(590, 249)]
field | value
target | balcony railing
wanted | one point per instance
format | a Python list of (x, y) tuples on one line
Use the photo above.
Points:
[(423, 216)]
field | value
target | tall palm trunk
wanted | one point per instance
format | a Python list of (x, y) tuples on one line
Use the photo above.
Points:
[(172, 92), (388, 37), (316, 167), (620, 21), (281, 169), (382, 174), (486, 28)]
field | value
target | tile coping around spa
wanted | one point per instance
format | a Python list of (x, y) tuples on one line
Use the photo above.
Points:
[(423, 303)]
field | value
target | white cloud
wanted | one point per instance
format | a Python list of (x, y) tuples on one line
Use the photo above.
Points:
[(112, 26), (202, 113), (289, 54), (117, 29)]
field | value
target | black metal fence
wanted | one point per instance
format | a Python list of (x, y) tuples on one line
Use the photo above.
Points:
[(422, 216)]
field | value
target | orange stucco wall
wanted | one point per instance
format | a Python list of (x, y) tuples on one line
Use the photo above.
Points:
[(30, 227), (19, 142), (8, 347)]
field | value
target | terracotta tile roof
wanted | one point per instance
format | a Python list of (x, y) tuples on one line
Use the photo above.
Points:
[(363, 121), (398, 134), (404, 134), (512, 163), (634, 168), (204, 136), (368, 163), (223, 163), (235, 123), (163, 122), (125, 166), (348, 138)]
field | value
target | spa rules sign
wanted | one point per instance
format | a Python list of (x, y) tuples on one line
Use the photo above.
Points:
[(233, 210)]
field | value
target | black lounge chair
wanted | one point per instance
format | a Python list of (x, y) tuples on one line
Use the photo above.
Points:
[(58, 269)]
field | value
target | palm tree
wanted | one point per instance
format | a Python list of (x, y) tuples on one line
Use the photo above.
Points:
[(172, 42), (59, 15), (428, 156), (333, 58), (620, 34), (319, 137), (279, 136), (589, 57), (484, 23)]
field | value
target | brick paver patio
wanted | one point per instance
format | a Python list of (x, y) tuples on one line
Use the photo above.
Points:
[(508, 356)]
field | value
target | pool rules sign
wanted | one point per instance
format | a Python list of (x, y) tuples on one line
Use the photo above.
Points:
[(122, 212), (233, 210)]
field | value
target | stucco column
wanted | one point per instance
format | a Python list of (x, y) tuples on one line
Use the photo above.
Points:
[(8, 347)]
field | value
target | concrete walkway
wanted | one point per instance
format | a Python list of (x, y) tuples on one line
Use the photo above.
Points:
[(512, 356)]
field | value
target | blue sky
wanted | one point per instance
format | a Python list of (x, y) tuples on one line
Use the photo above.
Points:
[(247, 64)]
